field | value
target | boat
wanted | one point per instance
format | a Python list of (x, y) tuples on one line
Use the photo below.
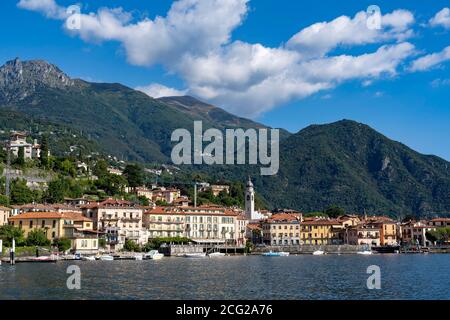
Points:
[(318, 253), (365, 252), (195, 255), (51, 258), (106, 257), (138, 257), (387, 249), (216, 254), (88, 258), (275, 254), (154, 255)]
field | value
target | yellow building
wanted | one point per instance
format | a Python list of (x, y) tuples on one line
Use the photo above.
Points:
[(71, 225), (320, 231), (281, 229), (4, 215)]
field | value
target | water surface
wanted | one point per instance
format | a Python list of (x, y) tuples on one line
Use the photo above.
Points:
[(254, 277)]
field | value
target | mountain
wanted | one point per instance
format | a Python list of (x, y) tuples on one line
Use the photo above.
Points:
[(343, 163), (122, 121)]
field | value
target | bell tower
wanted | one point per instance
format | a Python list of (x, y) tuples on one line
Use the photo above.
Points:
[(249, 200)]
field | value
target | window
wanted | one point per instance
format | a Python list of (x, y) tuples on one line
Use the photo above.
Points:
[(54, 223), (43, 224), (20, 224), (53, 234), (31, 224)]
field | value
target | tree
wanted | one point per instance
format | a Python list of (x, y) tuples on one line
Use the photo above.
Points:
[(440, 235), (9, 232), (134, 174), (334, 211), (44, 152), (63, 244), (38, 237), (21, 156), (102, 243), (20, 193), (100, 169), (131, 246)]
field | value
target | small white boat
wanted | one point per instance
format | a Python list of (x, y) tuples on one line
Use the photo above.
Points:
[(366, 252), (106, 257), (195, 255), (154, 255), (318, 252), (138, 257), (276, 254), (216, 254), (88, 258)]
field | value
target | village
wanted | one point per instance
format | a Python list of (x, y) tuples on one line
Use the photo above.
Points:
[(171, 223)]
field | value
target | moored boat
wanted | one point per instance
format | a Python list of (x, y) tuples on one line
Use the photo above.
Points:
[(216, 254), (318, 253), (88, 258), (154, 255), (275, 254), (106, 257), (365, 252), (195, 255)]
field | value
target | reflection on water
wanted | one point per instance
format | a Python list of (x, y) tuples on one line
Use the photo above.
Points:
[(255, 277)]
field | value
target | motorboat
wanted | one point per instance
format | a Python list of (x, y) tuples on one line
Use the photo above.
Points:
[(138, 257), (106, 257), (318, 253), (365, 252), (195, 255), (154, 255), (275, 254), (216, 254), (88, 258)]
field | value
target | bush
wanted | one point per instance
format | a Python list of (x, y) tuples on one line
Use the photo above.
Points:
[(131, 246), (37, 237), (63, 244), (156, 243)]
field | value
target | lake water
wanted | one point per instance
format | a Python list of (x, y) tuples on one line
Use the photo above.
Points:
[(414, 276)]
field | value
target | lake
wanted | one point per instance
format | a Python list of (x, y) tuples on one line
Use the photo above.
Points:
[(414, 276)]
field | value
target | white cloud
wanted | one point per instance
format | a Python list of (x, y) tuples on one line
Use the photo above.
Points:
[(47, 7), (442, 18), (194, 42), (436, 83), (156, 90), (320, 38), (431, 60)]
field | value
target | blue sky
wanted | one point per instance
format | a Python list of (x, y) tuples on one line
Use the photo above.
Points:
[(243, 56)]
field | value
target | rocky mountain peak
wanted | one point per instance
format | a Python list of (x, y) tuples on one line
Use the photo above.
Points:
[(19, 79)]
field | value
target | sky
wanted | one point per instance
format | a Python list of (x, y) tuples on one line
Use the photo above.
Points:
[(284, 63)]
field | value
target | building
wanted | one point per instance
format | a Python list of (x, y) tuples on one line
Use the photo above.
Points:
[(120, 220), (414, 233), (439, 222), (71, 225), (166, 195), (5, 213), (200, 224), (19, 140), (281, 229), (320, 231), (254, 233), (364, 234), (388, 230), (216, 189)]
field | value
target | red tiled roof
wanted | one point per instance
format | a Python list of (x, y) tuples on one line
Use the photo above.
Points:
[(37, 215)]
